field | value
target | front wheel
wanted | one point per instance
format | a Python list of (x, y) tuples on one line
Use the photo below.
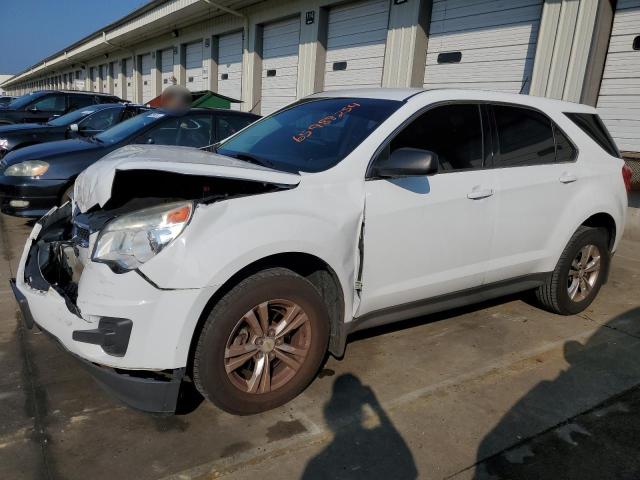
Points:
[(579, 274), (262, 343)]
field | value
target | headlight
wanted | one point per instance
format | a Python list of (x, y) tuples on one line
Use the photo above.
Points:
[(129, 241), (4, 143), (30, 168)]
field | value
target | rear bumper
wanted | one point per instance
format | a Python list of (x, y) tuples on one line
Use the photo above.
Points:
[(40, 193), (142, 390)]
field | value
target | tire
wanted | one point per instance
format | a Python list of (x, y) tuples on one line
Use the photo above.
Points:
[(226, 328), (555, 294)]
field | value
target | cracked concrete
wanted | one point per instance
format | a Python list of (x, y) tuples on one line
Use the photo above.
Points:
[(498, 390)]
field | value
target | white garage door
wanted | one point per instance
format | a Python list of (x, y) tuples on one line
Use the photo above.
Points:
[(128, 77), (280, 64), (230, 66), (145, 72), (92, 78), (193, 64), (487, 45), (356, 40), (619, 100), (103, 77), (166, 67)]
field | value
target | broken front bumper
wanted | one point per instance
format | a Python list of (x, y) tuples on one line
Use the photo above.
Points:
[(128, 333)]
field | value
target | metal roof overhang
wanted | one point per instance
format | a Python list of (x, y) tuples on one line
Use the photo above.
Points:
[(155, 18)]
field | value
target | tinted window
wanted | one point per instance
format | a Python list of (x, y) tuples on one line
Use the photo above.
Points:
[(565, 152), (101, 120), (312, 135), (525, 137), (593, 126), (190, 131), (453, 132), (51, 103), (71, 117), (25, 100), (79, 101), (227, 125)]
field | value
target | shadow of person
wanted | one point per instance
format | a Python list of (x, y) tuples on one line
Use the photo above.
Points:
[(604, 442), (359, 450)]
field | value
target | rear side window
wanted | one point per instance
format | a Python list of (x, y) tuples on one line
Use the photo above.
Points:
[(565, 151), (592, 125), (79, 101), (227, 125), (453, 132), (525, 137)]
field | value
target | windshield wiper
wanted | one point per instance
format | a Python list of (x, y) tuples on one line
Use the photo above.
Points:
[(251, 159)]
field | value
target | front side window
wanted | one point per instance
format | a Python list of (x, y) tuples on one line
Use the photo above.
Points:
[(123, 130), (525, 137), (227, 125), (452, 132), (312, 135), (187, 131), (101, 120), (50, 103)]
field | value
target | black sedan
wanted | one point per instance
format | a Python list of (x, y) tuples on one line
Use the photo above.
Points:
[(34, 179), (6, 100), (42, 105), (84, 122)]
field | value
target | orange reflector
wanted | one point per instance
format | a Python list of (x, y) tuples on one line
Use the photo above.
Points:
[(178, 215)]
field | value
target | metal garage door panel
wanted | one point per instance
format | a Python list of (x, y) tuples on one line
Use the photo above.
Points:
[(619, 100), (230, 66), (166, 67), (103, 77), (357, 35), (496, 38), (193, 64), (128, 69), (145, 67), (279, 64)]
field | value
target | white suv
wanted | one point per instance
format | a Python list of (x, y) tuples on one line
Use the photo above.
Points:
[(238, 270)]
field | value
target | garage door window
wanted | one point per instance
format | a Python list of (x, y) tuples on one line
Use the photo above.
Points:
[(525, 137), (453, 132)]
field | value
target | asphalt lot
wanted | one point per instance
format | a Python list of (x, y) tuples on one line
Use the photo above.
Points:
[(500, 390)]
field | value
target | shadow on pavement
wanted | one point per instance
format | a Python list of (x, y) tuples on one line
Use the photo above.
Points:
[(358, 449), (602, 442)]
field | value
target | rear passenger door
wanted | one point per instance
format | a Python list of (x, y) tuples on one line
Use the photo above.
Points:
[(535, 179)]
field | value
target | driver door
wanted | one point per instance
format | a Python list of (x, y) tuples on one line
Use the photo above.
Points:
[(428, 236)]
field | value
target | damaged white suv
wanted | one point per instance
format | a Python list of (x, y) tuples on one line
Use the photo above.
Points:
[(238, 270)]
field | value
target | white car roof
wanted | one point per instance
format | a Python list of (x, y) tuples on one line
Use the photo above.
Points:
[(444, 94)]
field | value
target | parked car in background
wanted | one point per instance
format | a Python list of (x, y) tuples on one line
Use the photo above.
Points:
[(344, 211), (42, 105), (85, 122), (33, 179), (5, 100)]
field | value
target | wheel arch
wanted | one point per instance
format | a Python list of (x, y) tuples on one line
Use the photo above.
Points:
[(313, 268), (606, 221)]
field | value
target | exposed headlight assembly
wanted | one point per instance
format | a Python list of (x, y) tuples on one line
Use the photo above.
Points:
[(4, 143), (129, 241), (30, 168)]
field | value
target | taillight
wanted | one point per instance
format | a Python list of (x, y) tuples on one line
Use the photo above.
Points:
[(627, 173)]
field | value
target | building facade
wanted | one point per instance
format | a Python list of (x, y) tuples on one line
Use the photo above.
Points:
[(269, 53)]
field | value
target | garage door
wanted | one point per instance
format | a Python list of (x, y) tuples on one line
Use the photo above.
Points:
[(230, 66), (193, 63), (166, 67), (619, 100), (145, 73), (128, 74), (487, 45), (356, 39), (104, 69), (279, 64), (92, 78)]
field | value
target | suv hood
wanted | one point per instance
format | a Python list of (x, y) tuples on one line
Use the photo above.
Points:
[(93, 186)]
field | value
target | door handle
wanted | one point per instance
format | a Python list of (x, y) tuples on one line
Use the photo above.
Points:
[(480, 194), (568, 178)]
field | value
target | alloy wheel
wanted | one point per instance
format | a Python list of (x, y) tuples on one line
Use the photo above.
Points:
[(583, 273)]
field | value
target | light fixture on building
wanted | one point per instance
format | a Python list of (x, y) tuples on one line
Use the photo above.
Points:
[(174, 33)]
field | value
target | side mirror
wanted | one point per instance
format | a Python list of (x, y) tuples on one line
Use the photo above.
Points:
[(74, 128), (407, 162), (33, 109)]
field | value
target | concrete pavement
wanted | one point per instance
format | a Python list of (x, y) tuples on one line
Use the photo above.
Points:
[(499, 390)]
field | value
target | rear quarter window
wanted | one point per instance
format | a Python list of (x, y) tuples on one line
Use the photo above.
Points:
[(592, 125)]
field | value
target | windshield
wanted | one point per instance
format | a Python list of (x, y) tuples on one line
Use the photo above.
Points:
[(123, 130), (71, 117), (310, 136), (24, 100)]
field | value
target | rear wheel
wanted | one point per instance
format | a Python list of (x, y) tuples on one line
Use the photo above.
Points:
[(262, 343), (579, 274)]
